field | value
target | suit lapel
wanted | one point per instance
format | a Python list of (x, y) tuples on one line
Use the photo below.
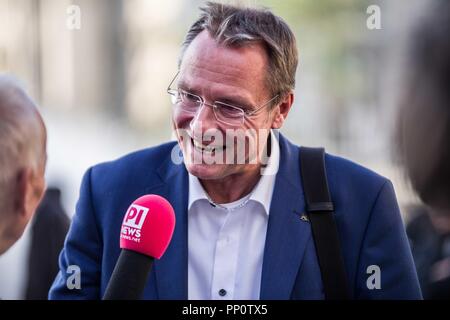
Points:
[(287, 234), (171, 269)]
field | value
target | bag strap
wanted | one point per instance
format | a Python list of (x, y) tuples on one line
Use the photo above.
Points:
[(320, 209)]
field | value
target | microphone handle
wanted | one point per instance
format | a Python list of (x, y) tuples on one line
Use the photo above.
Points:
[(129, 277)]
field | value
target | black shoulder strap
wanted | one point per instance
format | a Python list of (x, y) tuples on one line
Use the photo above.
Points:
[(321, 215)]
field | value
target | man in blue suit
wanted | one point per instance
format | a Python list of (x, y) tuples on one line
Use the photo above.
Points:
[(240, 229)]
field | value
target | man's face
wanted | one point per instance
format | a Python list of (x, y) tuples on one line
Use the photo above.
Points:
[(232, 75)]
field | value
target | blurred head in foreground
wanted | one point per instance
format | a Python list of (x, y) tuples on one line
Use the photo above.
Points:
[(423, 132), (22, 160)]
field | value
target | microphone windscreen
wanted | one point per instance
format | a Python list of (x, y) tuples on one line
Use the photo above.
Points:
[(148, 226)]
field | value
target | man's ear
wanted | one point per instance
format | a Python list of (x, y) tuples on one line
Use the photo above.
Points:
[(30, 187), (21, 191), (282, 110)]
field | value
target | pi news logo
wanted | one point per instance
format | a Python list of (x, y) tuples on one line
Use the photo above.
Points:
[(132, 223)]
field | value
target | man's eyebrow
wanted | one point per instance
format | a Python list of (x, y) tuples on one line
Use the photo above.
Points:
[(184, 85), (233, 98), (236, 100)]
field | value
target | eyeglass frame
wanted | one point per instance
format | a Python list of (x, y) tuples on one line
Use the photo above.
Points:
[(214, 106)]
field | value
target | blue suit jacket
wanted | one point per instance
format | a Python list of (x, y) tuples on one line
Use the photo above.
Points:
[(367, 216)]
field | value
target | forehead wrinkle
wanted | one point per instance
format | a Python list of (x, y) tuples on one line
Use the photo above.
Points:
[(228, 89), (214, 69)]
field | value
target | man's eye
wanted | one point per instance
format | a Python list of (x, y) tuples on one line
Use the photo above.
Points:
[(189, 97)]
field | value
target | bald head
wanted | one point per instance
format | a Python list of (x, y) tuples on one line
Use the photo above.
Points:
[(22, 130), (22, 160)]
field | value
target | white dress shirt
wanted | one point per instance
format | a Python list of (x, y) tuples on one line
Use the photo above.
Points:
[(226, 246)]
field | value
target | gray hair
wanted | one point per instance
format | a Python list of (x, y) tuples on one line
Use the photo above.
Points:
[(22, 134), (238, 26)]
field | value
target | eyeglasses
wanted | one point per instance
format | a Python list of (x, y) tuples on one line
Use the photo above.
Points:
[(224, 112)]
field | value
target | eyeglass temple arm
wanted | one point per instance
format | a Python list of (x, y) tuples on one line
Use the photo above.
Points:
[(171, 82), (265, 104)]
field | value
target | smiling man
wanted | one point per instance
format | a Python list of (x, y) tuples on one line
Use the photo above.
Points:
[(237, 191)]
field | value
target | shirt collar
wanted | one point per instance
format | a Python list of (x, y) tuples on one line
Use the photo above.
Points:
[(263, 190)]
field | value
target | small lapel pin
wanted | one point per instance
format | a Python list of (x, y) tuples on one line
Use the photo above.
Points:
[(304, 217)]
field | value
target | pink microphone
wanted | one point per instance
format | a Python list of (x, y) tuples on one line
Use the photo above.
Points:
[(145, 234)]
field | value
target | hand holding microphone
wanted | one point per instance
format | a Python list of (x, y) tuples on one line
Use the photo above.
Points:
[(145, 234)]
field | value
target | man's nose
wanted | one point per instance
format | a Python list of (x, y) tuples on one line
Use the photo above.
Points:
[(204, 119)]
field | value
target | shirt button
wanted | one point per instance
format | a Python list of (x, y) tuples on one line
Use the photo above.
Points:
[(222, 292)]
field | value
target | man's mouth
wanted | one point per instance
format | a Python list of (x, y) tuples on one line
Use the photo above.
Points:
[(206, 148)]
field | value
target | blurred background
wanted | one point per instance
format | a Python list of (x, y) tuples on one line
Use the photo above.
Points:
[(99, 70)]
